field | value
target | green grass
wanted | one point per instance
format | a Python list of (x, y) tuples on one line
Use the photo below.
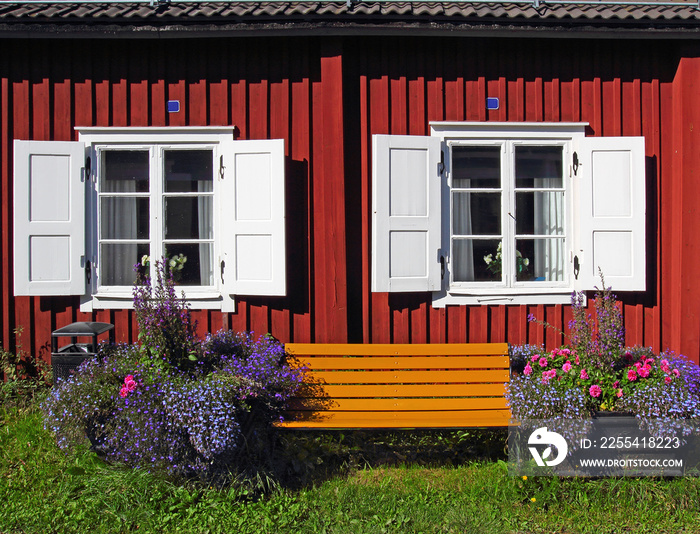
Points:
[(43, 490)]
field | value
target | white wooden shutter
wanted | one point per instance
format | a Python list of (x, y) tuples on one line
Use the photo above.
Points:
[(406, 217), (252, 218), (49, 218), (611, 186)]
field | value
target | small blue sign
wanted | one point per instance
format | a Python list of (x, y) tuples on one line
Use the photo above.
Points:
[(173, 106), (492, 103)]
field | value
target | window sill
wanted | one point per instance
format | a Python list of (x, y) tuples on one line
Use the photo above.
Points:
[(212, 300), (556, 296)]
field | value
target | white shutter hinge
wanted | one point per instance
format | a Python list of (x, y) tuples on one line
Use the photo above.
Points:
[(222, 167), (441, 163)]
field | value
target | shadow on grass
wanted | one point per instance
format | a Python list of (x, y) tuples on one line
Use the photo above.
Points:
[(302, 458)]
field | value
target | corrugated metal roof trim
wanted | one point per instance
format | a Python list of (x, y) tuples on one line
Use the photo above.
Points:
[(418, 10)]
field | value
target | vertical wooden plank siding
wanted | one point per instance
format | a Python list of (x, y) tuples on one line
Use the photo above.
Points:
[(605, 84), (312, 92)]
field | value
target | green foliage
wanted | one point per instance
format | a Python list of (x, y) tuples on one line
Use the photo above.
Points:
[(24, 375)]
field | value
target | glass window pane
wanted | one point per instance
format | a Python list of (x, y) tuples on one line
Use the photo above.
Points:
[(191, 263), (539, 213), (538, 166), (476, 166), (476, 213), (124, 171), (476, 260), (540, 260), (117, 262), (188, 171), (188, 218), (124, 218)]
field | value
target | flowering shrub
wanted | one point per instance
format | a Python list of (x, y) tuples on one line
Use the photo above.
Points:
[(597, 373), (201, 409)]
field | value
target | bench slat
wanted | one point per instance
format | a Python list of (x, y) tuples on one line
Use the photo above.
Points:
[(415, 419), (408, 377), (403, 362), (409, 390), (343, 405), (389, 349)]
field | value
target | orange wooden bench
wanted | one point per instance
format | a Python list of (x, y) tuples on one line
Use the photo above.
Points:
[(359, 386)]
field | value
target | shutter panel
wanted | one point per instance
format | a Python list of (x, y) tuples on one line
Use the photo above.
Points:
[(612, 205), (406, 217), (252, 218), (49, 218)]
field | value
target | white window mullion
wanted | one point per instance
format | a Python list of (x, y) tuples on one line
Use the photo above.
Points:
[(156, 208), (508, 222)]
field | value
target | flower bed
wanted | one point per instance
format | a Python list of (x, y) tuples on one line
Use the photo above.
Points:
[(174, 403), (596, 372)]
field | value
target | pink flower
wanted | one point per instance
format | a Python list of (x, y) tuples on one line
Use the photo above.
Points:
[(595, 390), (619, 393), (535, 357), (528, 370), (548, 375), (628, 355), (676, 372), (543, 362), (616, 384), (631, 375), (583, 375), (129, 377), (667, 379), (576, 360), (123, 392), (566, 367), (130, 384), (664, 363), (644, 371)]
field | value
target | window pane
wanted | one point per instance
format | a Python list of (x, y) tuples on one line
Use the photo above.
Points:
[(188, 171), (476, 166), (194, 267), (476, 260), (540, 260), (188, 218), (539, 213), (124, 218), (538, 166), (476, 213), (124, 171), (117, 262)]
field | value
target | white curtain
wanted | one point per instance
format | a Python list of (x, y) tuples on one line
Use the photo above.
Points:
[(462, 249), (549, 220), (205, 226), (120, 221)]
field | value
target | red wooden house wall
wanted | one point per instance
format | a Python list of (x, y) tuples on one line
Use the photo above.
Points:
[(326, 96)]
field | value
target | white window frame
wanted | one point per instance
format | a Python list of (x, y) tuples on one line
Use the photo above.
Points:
[(506, 138), (97, 140), (592, 230), (56, 208)]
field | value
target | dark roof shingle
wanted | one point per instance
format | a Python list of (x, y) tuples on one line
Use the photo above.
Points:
[(371, 16)]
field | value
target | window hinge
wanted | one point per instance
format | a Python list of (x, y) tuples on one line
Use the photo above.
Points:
[(576, 163), (221, 167), (441, 164), (577, 267)]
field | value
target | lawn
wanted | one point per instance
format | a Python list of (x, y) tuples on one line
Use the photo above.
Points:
[(382, 488)]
